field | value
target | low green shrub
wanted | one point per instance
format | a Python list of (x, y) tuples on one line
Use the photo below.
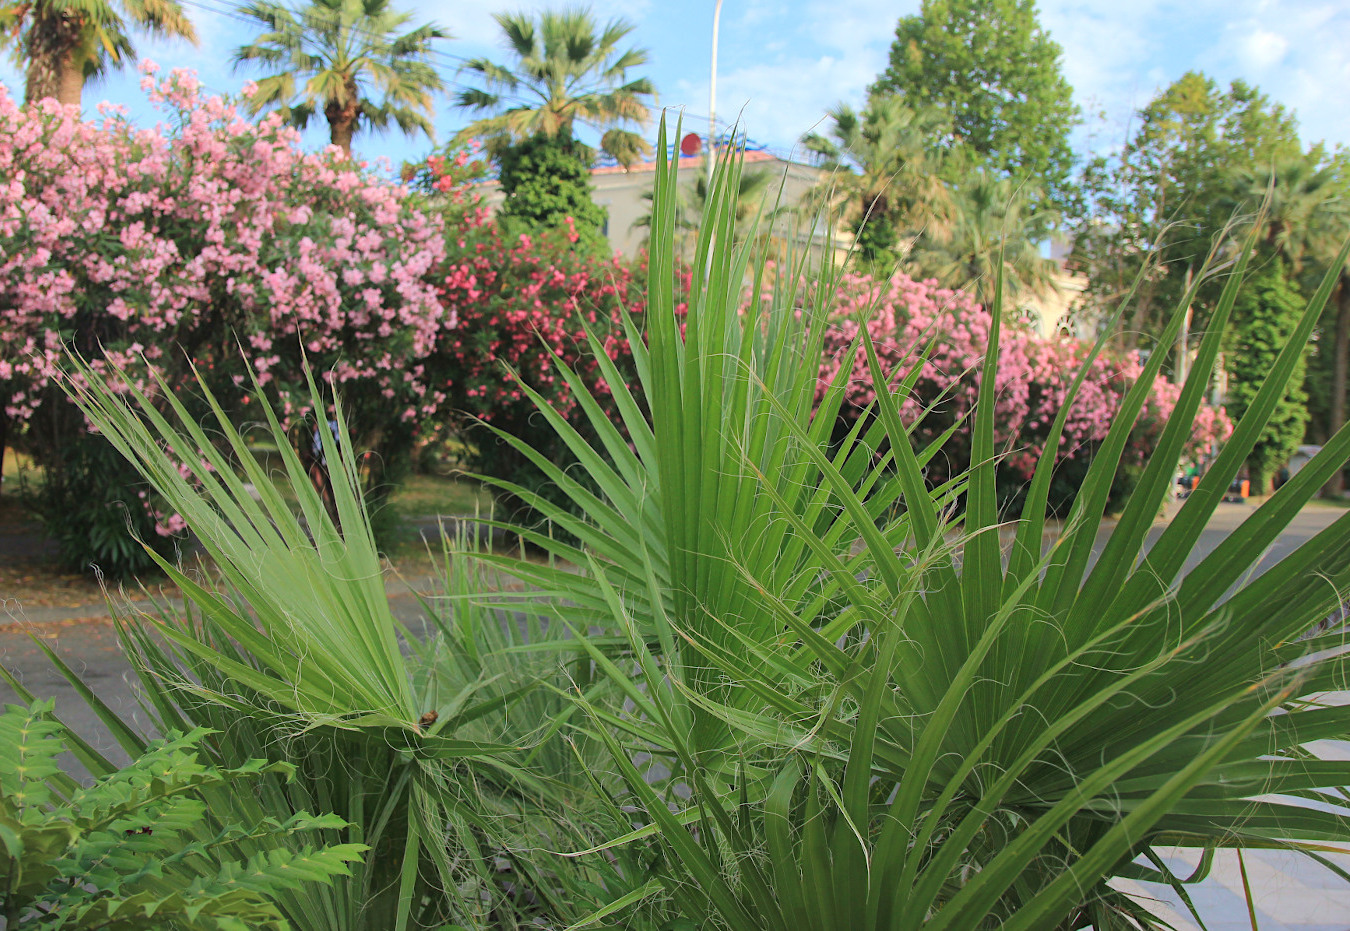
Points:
[(446, 750), (922, 717)]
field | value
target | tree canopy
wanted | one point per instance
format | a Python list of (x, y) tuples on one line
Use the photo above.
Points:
[(1157, 208), (995, 72), (884, 173)]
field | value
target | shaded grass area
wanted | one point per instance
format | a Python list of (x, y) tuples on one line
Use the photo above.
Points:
[(31, 574)]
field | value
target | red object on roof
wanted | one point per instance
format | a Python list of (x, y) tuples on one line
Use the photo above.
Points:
[(691, 144)]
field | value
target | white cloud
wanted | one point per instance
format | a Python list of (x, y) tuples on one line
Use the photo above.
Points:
[(1118, 56), (777, 103), (1261, 49)]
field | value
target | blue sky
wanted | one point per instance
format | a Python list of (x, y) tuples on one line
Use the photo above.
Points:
[(781, 64)]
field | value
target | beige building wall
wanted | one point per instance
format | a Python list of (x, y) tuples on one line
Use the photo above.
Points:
[(620, 191)]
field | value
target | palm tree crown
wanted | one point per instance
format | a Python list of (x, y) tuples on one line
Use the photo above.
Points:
[(884, 172), (1290, 197), (347, 59), (66, 43), (564, 74), (987, 231)]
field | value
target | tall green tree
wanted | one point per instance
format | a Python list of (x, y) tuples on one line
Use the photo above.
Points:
[(990, 228), (1329, 367), (884, 178), (66, 43), (991, 68), (563, 74), (1155, 210), (350, 60), (1266, 314)]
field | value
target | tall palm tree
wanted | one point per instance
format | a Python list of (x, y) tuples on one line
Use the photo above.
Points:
[(66, 43), (1331, 227), (987, 222), (564, 74), (884, 180), (348, 60)]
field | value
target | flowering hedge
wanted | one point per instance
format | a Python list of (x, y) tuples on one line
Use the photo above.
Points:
[(520, 300), (154, 248), (1034, 376)]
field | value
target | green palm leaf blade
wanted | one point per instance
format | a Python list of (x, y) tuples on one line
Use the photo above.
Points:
[(326, 631)]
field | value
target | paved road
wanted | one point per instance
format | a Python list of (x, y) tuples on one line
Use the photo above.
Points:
[(1290, 895)]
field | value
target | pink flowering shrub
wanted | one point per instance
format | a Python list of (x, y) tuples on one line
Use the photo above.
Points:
[(153, 249), (903, 315)]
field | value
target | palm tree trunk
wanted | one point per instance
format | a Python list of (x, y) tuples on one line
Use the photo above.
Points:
[(52, 71), (1340, 368), (341, 117), (341, 134), (71, 86)]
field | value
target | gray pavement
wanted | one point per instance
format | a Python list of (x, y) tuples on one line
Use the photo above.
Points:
[(1289, 892)]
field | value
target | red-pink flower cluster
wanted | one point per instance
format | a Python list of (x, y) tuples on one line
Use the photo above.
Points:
[(521, 301), (1034, 374)]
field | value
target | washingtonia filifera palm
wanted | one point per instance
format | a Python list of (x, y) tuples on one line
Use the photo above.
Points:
[(346, 59), (988, 235), (565, 74), (880, 712), (1297, 201), (66, 43), (884, 181)]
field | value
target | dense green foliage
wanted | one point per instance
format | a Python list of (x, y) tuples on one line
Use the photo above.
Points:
[(443, 752), (547, 184), (142, 848), (872, 726), (1267, 313), (1157, 207), (94, 505), (991, 69)]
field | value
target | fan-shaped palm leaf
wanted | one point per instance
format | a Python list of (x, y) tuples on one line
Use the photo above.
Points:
[(563, 75), (877, 716), (356, 65)]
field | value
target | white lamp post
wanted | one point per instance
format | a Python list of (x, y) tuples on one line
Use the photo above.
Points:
[(712, 95)]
